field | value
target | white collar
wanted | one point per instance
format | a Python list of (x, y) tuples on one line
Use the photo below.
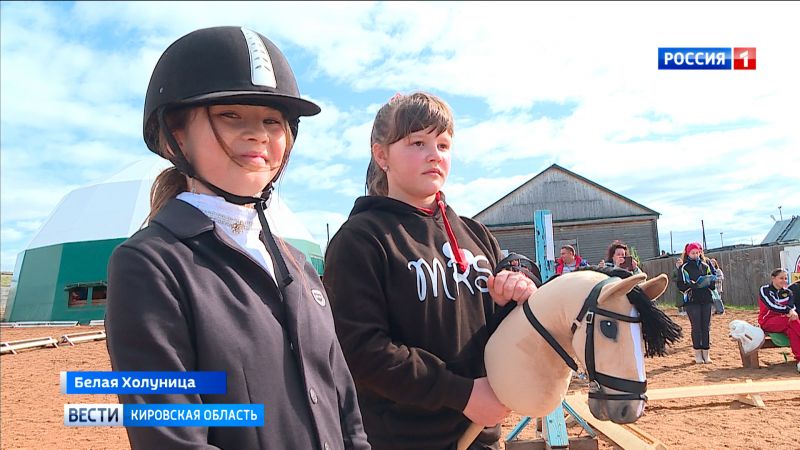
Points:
[(236, 218)]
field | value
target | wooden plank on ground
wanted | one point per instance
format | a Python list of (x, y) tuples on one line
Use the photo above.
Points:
[(622, 436), (13, 346), (711, 390), (75, 338), (645, 436)]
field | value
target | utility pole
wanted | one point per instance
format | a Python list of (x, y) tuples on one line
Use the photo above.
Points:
[(703, 226), (721, 243), (779, 212), (671, 248), (328, 231)]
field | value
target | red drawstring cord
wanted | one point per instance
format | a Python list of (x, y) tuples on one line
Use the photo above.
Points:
[(457, 252)]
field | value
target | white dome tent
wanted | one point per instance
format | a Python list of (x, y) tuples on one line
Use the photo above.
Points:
[(61, 274)]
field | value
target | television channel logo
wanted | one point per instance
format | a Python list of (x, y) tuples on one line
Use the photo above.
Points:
[(93, 415), (706, 58)]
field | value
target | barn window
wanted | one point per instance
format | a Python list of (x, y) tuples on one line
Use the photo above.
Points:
[(86, 294), (99, 295), (77, 297)]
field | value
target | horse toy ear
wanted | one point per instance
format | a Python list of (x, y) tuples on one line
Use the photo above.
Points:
[(655, 287), (621, 287)]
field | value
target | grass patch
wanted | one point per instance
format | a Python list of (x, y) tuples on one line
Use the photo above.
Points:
[(742, 307), (672, 306), (5, 279)]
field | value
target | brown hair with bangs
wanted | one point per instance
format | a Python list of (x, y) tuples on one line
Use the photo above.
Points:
[(401, 116), (613, 249), (170, 182)]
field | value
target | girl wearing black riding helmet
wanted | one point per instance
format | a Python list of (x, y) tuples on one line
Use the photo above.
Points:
[(206, 286)]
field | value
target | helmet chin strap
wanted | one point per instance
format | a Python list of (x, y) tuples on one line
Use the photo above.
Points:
[(183, 166)]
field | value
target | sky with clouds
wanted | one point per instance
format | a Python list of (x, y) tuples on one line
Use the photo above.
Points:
[(531, 84)]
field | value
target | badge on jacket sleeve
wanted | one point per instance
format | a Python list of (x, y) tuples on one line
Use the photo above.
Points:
[(318, 297)]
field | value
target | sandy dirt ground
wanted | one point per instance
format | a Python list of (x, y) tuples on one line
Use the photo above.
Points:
[(31, 405)]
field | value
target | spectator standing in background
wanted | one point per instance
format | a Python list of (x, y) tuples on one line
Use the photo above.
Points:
[(697, 285), (719, 305), (676, 275), (569, 260)]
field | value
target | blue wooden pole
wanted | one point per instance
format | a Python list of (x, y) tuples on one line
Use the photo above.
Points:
[(543, 238), (545, 259), (555, 429), (519, 427)]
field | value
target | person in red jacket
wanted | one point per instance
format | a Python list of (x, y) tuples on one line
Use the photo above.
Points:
[(777, 311), (569, 261)]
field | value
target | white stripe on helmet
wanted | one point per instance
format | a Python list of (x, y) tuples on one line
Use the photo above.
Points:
[(261, 71)]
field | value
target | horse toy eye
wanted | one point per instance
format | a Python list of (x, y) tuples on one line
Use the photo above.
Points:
[(609, 329)]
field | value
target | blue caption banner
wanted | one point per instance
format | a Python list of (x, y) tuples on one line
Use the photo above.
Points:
[(694, 58), (163, 415), (221, 415), (143, 383)]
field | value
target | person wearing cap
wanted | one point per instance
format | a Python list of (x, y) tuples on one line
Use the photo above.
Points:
[(696, 281), (413, 289), (206, 286)]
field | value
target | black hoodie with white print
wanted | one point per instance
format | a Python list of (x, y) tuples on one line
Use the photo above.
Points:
[(412, 326)]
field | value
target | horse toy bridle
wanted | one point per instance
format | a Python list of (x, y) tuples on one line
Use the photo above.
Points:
[(633, 390)]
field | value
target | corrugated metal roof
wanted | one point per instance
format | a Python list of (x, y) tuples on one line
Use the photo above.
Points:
[(784, 231)]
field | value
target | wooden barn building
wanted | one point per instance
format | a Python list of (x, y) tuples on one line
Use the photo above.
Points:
[(585, 215)]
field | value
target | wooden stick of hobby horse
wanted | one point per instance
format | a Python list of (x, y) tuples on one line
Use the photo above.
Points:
[(469, 436)]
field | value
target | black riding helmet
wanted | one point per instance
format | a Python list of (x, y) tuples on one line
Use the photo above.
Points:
[(224, 65)]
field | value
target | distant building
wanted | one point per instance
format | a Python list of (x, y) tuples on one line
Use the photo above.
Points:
[(61, 275), (4, 286), (784, 231), (585, 215)]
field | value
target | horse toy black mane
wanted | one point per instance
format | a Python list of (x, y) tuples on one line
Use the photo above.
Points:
[(658, 330)]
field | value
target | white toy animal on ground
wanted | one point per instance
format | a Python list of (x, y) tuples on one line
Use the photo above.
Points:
[(750, 336)]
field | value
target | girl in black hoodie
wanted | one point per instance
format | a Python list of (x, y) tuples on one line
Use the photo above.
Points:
[(411, 288), (696, 281)]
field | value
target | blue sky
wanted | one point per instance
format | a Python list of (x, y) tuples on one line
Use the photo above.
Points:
[(531, 84)]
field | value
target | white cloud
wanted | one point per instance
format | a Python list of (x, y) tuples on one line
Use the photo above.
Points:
[(334, 134), (505, 137), (471, 197), (11, 234), (322, 177)]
